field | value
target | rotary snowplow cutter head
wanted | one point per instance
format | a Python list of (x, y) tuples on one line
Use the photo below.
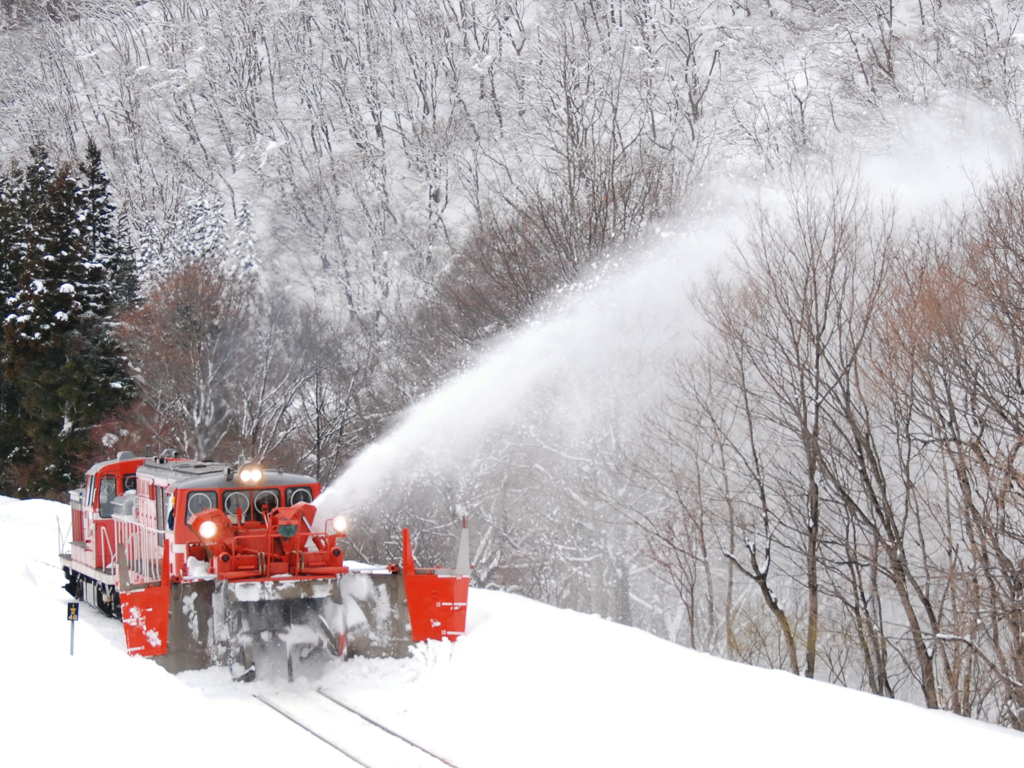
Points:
[(376, 611)]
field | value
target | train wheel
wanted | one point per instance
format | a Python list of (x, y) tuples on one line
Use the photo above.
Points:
[(106, 596), (73, 587)]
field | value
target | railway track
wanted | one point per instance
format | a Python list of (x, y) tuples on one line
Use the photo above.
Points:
[(362, 740)]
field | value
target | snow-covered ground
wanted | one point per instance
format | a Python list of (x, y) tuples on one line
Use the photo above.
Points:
[(529, 685)]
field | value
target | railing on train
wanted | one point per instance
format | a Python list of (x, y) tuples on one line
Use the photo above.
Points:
[(143, 549)]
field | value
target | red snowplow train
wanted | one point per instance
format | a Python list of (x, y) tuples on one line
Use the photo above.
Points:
[(208, 563)]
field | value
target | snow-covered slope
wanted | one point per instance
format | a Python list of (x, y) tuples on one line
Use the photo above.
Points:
[(529, 685)]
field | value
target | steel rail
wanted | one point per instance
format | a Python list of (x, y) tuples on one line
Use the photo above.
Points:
[(306, 728), (384, 728)]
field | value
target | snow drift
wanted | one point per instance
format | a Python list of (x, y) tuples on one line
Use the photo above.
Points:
[(528, 685)]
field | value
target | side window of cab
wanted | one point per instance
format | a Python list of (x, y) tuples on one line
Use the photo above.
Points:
[(107, 494)]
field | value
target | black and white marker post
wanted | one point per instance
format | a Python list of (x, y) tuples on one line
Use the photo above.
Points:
[(72, 617)]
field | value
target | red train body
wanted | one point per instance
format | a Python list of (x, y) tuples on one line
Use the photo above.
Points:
[(206, 563)]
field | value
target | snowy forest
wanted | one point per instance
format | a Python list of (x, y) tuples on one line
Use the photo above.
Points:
[(267, 228)]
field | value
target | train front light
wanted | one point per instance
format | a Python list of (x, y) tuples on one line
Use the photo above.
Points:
[(339, 524), (250, 474), (213, 528)]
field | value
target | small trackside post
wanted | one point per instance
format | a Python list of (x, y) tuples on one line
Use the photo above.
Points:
[(73, 618)]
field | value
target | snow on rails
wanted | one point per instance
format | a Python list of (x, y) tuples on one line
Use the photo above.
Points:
[(207, 563)]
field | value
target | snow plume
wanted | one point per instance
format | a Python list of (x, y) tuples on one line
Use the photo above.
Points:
[(559, 365), (576, 374), (584, 372), (939, 156)]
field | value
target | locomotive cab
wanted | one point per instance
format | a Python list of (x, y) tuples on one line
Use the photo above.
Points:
[(89, 564)]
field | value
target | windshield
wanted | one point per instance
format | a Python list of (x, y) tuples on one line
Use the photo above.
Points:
[(251, 505)]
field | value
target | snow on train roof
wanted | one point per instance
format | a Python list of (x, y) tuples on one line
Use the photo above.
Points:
[(207, 474)]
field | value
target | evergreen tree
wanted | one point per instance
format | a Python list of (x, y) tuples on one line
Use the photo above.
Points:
[(106, 241), (242, 259), (11, 236), (206, 235), (62, 360), (201, 234)]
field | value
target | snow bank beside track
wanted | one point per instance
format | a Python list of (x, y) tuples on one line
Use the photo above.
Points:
[(529, 685)]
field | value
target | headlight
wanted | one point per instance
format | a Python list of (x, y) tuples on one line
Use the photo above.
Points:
[(339, 524), (208, 529), (250, 475)]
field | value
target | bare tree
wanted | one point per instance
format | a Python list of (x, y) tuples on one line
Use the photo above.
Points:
[(187, 342), (967, 312), (334, 415)]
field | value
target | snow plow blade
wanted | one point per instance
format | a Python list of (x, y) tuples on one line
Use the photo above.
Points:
[(215, 622), (436, 597), (145, 609), (374, 611), (144, 613), (388, 608)]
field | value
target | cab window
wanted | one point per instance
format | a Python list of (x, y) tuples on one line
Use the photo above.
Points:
[(251, 506), (266, 500), (199, 501), (108, 492), (237, 505), (300, 495), (129, 483)]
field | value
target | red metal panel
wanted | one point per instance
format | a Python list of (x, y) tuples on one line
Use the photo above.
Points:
[(104, 544), (145, 614), (76, 517), (437, 598)]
